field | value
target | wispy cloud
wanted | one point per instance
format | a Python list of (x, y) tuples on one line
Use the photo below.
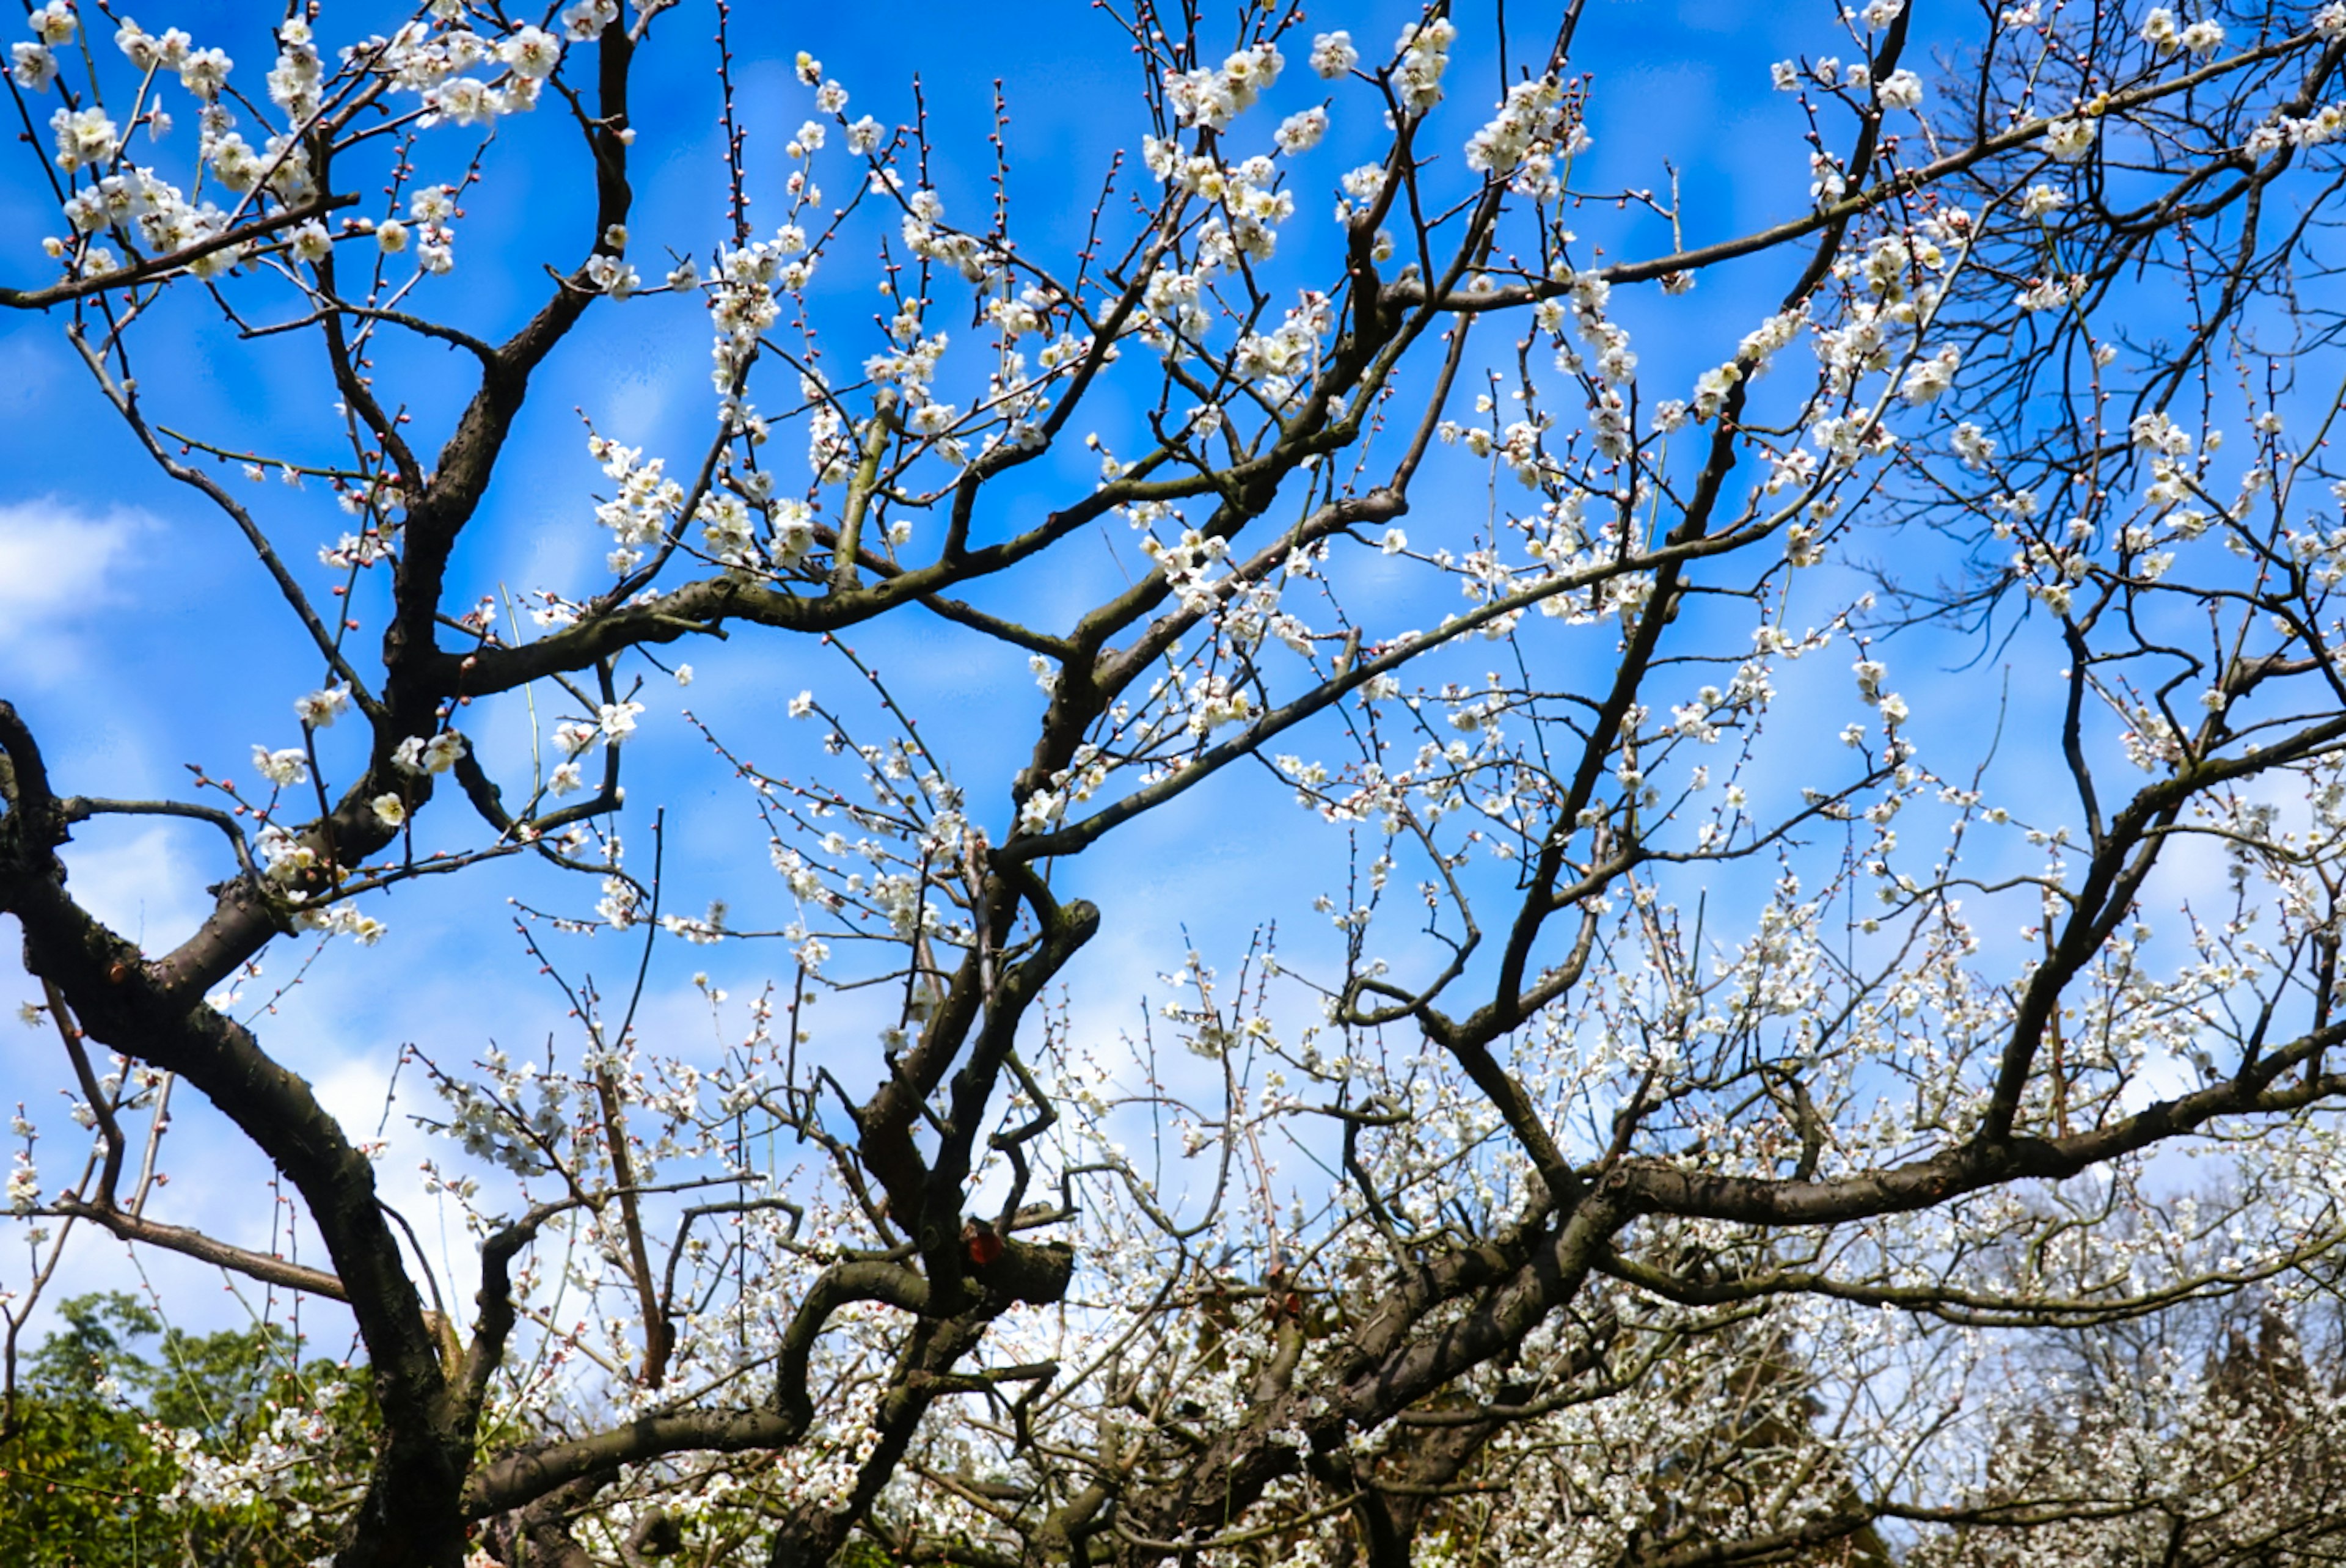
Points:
[(60, 565), (57, 559)]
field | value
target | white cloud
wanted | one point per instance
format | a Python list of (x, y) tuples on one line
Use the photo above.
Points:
[(140, 881), (60, 565), (58, 560)]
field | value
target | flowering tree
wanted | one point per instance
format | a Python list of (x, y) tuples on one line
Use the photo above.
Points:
[(1716, 1049), (100, 1471), (2189, 1451)]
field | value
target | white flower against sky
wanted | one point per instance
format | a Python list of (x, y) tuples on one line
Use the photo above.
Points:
[(2069, 140), (289, 765), (1332, 54), (319, 708)]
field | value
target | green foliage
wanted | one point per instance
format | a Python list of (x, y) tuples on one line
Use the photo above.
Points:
[(90, 1481)]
